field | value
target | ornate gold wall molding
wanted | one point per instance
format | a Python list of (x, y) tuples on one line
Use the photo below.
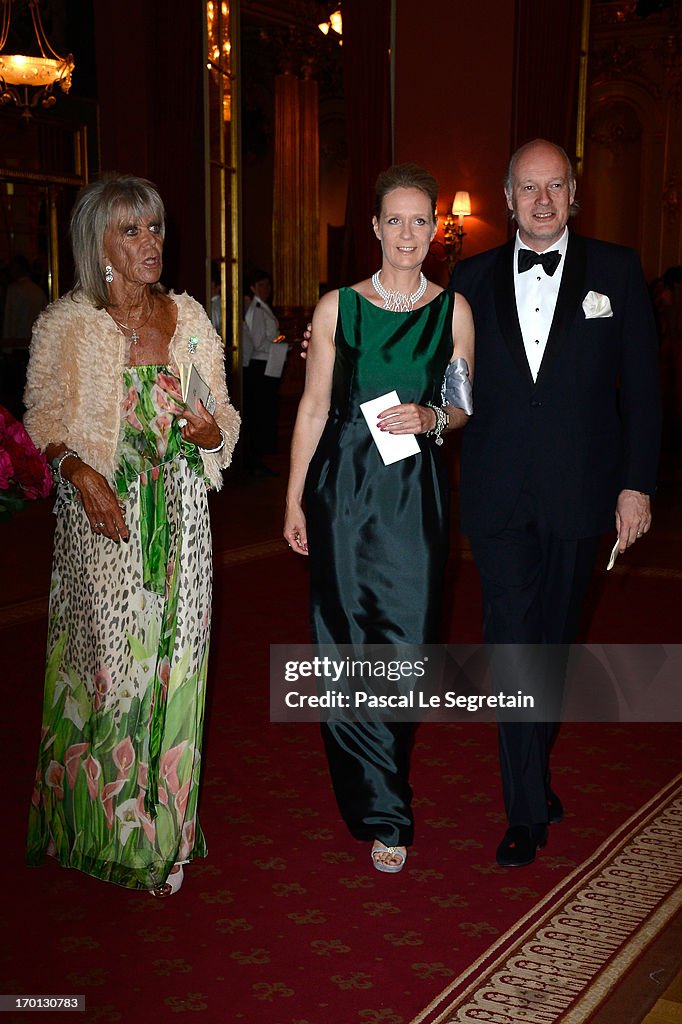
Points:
[(633, 138)]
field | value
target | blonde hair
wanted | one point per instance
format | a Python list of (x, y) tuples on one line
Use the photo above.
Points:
[(98, 205)]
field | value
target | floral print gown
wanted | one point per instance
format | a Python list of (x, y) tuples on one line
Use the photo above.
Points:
[(118, 769)]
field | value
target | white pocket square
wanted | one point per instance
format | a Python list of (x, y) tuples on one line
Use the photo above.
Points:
[(596, 305)]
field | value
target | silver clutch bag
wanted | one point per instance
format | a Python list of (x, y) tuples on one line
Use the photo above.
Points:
[(456, 387)]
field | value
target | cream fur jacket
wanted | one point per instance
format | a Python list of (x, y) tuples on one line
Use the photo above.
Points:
[(74, 384)]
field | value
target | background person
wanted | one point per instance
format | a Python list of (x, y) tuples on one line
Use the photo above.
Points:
[(216, 299), (24, 300), (394, 331), (264, 355), (130, 603)]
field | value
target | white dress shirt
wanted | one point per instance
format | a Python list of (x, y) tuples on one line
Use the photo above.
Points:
[(536, 295), (263, 327)]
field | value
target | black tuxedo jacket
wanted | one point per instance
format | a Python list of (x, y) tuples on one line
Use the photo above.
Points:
[(590, 425)]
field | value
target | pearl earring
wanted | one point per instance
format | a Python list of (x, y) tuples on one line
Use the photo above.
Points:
[(109, 273)]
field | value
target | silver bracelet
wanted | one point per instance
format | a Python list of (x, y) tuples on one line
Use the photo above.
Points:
[(57, 466), (442, 421), (218, 448)]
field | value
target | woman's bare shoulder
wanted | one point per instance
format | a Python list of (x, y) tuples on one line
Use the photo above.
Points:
[(328, 307), (462, 307), (365, 288)]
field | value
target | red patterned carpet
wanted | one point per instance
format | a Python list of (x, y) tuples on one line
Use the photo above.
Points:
[(286, 922), (560, 961)]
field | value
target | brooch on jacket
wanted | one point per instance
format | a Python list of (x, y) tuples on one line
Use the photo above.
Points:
[(192, 345)]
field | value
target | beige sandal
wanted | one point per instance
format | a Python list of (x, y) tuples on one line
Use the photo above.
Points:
[(171, 885), (380, 850)]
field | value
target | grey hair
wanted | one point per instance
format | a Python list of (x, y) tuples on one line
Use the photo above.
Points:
[(113, 198), (570, 173)]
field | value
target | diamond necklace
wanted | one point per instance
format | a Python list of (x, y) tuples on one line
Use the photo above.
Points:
[(134, 335), (398, 302)]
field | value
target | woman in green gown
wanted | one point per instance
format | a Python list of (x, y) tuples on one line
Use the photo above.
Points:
[(376, 534)]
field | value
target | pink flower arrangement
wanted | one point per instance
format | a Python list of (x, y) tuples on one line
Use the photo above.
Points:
[(24, 473)]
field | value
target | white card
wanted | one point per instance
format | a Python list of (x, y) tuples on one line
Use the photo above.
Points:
[(276, 359), (197, 390), (392, 447), (614, 555)]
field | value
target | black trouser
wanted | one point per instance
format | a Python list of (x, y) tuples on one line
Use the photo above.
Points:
[(534, 585), (261, 399), (369, 764)]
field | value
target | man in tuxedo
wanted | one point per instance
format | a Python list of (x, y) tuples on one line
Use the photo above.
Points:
[(562, 447)]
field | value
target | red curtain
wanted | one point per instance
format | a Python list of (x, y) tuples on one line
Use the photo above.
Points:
[(366, 41), (546, 72)]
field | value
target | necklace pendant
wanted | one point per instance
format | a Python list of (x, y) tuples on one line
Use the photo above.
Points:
[(134, 337), (398, 302)]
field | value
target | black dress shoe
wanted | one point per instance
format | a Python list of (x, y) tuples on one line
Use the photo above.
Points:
[(555, 808), (520, 844)]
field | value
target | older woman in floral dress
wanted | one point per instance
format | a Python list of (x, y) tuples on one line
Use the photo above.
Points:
[(130, 603)]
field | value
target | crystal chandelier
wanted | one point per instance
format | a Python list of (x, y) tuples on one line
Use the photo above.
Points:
[(19, 73)]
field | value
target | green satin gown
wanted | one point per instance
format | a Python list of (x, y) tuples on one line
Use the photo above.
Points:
[(378, 539)]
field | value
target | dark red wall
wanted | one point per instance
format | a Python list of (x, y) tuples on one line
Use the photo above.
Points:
[(150, 91), (453, 104)]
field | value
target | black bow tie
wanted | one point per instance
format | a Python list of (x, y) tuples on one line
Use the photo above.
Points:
[(549, 260)]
